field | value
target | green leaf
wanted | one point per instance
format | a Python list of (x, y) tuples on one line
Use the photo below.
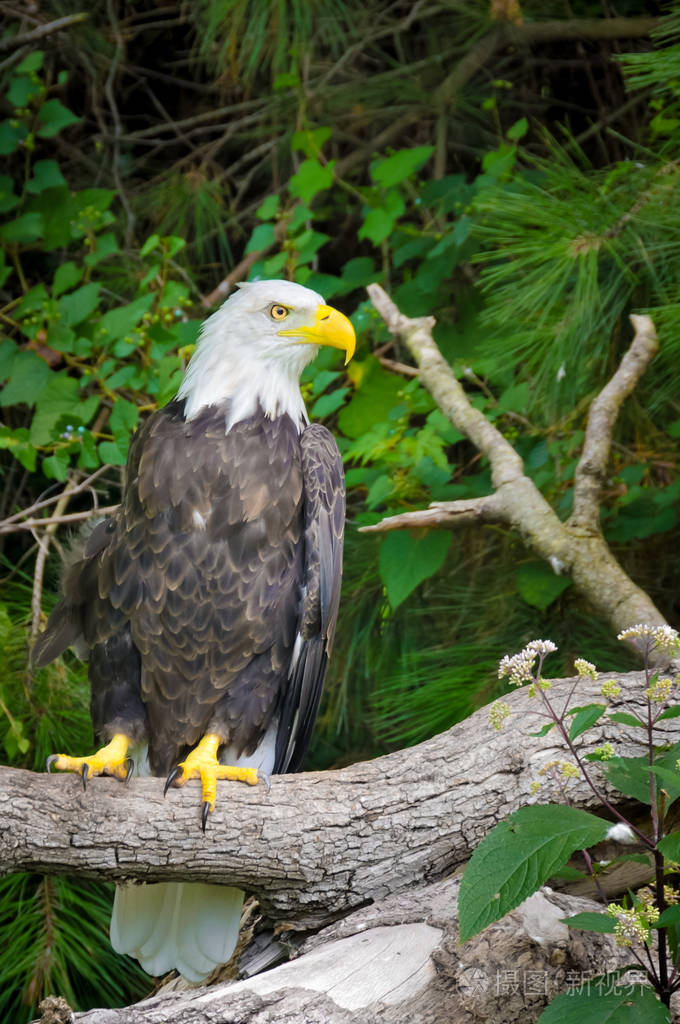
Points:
[(56, 466), (668, 779), (31, 63), (377, 395), (53, 117), (262, 238), (394, 169), (123, 420), (11, 135), (46, 174), (671, 915), (585, 718), (328, 404), (311, 178), (151, 243), (670, 846), (518, 129), (630, 775), (538, 585), (597, 1005), (66, 276), (78, 305), (27, 378), (517, 857), (8, 201), (544, 730), (406, 560), (111, 453), (24, 229), (59, 398), (268, 208), (673, 712), (378, 225), (623, 718), (119, 322), (590, 921)]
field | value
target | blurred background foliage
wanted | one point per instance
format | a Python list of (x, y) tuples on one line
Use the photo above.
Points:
[(508, 168)]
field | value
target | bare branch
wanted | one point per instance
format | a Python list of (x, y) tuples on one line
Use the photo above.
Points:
[(445, 515), (592, 466), (516, 501), (12, 42)]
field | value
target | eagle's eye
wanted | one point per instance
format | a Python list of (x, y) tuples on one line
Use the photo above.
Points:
[(278, 312)]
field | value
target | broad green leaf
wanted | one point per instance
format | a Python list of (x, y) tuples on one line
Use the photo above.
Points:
[(310, 179), (24, 229), (630, 775), (110, 452), (590, 921), (56, 466), (518, 129), (585, 718), (310, 140), (78, 305), (117, 323), (673, 712), (151, 243), (378, 392), (262, 238), (594, 1004), (623, 718), (671, 915), (123, 420), (268, 208), (28, 376), (66, 276), (394, 169), (328, 404), (538, 585), (406, 560), (8, 201), (53, 117), (46, 174), (517, 857), (106, 246), (377, 226), (11, 135), (670, 846), (31, 62), (668, 780)]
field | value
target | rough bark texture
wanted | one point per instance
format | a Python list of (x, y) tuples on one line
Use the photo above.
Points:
[(576, 547), (368, 857), (318, 845)]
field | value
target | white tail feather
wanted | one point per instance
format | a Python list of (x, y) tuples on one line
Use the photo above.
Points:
[(191, 927)]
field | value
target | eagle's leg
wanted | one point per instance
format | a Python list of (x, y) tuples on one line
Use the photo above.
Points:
[(202, 762), (109, 760)]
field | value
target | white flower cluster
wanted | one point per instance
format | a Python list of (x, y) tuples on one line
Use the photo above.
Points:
[(663, 638), (519, 667), (585, 669)]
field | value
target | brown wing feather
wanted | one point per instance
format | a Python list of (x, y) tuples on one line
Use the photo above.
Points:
[(324, 486)]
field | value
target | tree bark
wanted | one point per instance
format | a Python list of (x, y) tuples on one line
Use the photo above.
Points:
[(377, 845), (576, 548)]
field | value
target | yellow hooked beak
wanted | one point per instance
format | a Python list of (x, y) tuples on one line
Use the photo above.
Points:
[(330, 327)]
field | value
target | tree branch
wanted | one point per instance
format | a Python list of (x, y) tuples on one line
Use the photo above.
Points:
[(592, 466), (12, 42), (319, 844), (516, 501)]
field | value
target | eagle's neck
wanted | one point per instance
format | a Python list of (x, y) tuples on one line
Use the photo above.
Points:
[(226, 375)]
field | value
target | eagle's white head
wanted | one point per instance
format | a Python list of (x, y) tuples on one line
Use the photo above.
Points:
[(254, 348)]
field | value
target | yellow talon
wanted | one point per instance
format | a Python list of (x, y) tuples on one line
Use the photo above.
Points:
[(109, 760), (202, 763)]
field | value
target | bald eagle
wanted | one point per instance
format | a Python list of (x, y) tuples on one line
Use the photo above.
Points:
[(206, 604)]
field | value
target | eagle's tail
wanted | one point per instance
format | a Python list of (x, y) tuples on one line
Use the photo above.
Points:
[(189, 926)]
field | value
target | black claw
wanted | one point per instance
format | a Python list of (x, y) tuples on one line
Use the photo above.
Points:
[(129, 769), (204, 813), (263, 777), (174, 774), (84, 772), (50, 761)]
